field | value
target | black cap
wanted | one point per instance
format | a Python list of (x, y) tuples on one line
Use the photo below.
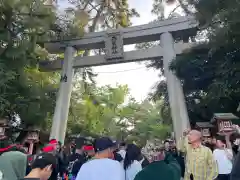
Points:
[(43, 160), (103, 143), (80, 142)]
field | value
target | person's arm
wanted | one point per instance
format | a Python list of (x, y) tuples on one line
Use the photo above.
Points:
[(183, 142), (212, 170), (227, 139)]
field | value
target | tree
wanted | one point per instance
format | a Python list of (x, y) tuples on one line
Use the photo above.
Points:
[(151, 122), (111, 111), (22, 23), (209, 72), (107, 14), (98, 112), (25, 25)]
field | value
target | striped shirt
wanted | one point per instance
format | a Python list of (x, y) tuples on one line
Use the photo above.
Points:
[(199, 162)]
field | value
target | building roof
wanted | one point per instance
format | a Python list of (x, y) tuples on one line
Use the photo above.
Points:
[(204, 124), (223, 116)]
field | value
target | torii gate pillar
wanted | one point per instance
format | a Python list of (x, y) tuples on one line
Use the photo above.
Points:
[(175, 91), (60, 117)]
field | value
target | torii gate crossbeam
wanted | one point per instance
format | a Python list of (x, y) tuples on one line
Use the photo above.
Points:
[(112, 41)]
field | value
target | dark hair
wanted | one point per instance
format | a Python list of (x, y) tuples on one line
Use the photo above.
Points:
[(117, 157), (80, 142), (122, 144), (166, 141), (221, 138), (43, 160), (132, 153)]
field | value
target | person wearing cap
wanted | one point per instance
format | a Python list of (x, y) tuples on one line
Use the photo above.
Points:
[(77, 159), (89, 151), (102, 166), (42, 167)]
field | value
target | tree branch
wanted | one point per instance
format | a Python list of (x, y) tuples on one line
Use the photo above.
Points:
[(173, 10)]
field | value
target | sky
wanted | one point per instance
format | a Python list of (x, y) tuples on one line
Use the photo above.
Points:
[(139, 79)]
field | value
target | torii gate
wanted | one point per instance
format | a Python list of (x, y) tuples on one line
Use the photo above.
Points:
[(166, 31)]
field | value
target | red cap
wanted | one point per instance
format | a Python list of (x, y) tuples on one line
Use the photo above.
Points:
[(53, 141), (48, 148), (88, 148)]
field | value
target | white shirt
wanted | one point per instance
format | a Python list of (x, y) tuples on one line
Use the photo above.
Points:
[(101, 169), (133, 169), (223, 162)]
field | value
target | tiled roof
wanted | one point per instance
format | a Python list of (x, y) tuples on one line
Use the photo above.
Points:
[(204, 124)]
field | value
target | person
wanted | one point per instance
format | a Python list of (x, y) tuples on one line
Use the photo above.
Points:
[(167, 169), (62, 161), (13, 165), (89, 151), (235, 174), (180, 159), (122, 149), (223, 155), (200, 163), (117, 157), (131, 164), (6, 146), (42, 167), (51, 147), (102, 166), (167, 146), (144, 161), (77, 159)]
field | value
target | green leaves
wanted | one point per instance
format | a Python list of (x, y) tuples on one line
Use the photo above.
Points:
[(111, 111), (209, 72)]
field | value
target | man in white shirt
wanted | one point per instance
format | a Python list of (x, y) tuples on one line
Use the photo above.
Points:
[(223, 156), (102, 166)]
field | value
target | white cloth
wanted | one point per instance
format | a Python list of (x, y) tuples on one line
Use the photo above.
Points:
[(122, 152), (133, 169), (223, 162), (101, 169)]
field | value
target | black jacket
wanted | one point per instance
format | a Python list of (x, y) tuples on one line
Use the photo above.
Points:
[(75, 163), (235, 174)]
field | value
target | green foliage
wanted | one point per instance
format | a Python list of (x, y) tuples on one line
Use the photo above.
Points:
[(214, 67), (23, 88), (24, 25), (209, 72), (112, 112)]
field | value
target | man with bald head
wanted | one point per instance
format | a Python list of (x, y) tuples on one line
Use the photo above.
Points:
[(200, 163)]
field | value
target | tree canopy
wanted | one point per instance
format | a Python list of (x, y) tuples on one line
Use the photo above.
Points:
[(111, 111), (209, 72), (31, 94)]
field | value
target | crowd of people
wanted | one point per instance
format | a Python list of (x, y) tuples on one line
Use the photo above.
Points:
[(104, 159)]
